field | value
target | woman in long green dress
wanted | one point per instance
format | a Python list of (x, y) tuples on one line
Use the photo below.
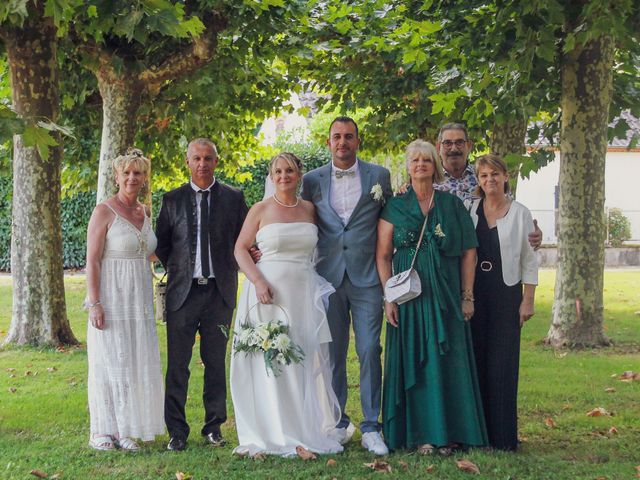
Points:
[(431, 398)]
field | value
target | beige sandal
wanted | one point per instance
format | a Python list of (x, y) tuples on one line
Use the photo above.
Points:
[(102, 442), (445, 451), (125, 443), (426, 449)]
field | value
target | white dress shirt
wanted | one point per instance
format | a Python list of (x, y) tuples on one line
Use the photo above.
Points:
[(345, 191), (197, 268)]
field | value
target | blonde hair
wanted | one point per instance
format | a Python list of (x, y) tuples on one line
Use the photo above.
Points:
[(422, 148), (494, 161), (292, 160), (133, 156)]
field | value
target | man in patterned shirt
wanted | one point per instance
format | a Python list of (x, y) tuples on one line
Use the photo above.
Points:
[(454, 147), (460, 179)]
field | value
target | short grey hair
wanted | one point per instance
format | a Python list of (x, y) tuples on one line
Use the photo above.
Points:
[(422, 148), (453, 126), (203, 142)]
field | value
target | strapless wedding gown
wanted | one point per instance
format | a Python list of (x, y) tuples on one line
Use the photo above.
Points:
[(274, 415)]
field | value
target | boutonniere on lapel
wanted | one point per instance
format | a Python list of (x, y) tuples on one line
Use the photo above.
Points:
[(376, 193), (438, 231)]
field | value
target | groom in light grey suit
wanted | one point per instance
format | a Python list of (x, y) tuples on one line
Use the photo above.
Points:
[(348, 195)]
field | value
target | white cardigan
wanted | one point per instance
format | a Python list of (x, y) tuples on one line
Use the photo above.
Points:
[(519, 262)]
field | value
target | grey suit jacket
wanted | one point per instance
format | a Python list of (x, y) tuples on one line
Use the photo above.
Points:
[(176, 231), (349, 248)]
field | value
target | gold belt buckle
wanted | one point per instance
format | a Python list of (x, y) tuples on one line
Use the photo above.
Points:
[(486, 266)]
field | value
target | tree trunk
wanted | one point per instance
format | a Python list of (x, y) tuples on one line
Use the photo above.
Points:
[(508, 137), (586, 95), (39, 310), (121, 99)]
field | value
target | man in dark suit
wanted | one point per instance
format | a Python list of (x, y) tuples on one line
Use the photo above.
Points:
[(197, 228)]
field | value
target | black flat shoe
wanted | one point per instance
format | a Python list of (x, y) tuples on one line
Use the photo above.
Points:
[(215, 439), (177, 444)]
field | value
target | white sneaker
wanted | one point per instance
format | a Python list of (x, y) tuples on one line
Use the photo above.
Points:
[(373, 442), (343, 435)]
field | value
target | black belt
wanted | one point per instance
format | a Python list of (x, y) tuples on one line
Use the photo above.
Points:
[(203, 282)]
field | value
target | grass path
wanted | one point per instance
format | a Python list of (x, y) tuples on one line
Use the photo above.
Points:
[(44, 419)]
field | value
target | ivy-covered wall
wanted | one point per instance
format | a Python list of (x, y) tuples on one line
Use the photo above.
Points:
[(77, 209)]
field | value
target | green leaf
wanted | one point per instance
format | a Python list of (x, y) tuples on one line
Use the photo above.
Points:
[(40, 138), (60, 10), (569, 43), (54, 127), (10, 123)]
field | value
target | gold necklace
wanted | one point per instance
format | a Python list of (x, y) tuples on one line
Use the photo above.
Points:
[(282, 204), (124, 205)]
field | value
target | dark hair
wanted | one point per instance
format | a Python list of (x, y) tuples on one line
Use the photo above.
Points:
[(344, 119), (453, 126), (494, 161)]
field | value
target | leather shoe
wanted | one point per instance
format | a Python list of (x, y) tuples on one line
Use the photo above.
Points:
[(177, 444), (215, 439)]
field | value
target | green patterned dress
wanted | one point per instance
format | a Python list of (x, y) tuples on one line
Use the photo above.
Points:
[(430, 392)]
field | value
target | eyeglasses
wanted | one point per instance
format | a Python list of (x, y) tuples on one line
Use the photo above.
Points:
[(458, 143)]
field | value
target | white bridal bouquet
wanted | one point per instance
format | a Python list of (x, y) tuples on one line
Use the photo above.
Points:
[(273, 341)]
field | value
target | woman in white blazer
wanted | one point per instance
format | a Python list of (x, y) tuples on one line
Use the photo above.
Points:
[(504, 290)]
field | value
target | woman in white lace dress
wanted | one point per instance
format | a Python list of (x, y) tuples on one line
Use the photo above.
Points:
[(125, 377)]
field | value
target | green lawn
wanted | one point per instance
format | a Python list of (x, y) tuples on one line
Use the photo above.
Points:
[(44, 419)]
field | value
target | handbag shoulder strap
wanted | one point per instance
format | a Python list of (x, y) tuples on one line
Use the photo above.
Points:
[(424, 225)]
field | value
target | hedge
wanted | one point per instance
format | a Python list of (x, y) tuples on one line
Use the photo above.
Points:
[(76, 209)]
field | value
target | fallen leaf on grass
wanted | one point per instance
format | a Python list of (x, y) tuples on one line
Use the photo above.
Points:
[(61, 349), (183, 476), (602, 478), (598, 412), (379, 466), (467, 466), (11, 369), (404, 465), (629, 376), (52, 369), (55, 476), (13, 375), (613, 431), (331, 462), (305, 454), (610, 390), (430, 468), (549, 422), (28, 373), (13, 389), (259, 457), (638, 471), (39, 474)]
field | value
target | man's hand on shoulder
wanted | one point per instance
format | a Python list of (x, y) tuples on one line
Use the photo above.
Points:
[(535, 237)]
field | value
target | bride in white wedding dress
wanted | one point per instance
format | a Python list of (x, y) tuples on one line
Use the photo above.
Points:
[(298, 408)]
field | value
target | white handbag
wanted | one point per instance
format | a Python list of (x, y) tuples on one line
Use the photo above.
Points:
[(406, 285)]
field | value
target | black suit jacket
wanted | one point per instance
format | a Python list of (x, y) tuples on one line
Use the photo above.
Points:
[(176, 231)]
